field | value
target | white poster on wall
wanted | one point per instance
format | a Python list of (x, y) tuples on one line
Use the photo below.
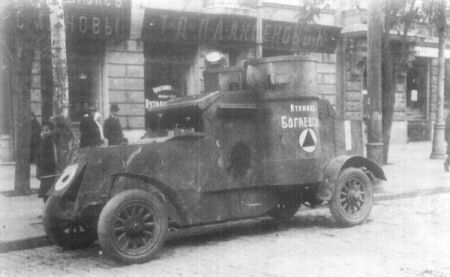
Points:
[(414, 96)]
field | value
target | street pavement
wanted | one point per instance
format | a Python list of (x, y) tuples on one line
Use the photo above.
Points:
[(402, 237), (410, 173)]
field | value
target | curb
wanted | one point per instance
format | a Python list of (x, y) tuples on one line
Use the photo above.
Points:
[(412, 194), (40, 241), (22, 244)]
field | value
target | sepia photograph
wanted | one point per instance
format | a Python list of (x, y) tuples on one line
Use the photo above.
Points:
[(225, 138)]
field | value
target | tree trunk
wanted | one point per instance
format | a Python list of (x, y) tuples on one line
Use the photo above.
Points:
[(390, 71), (63, 132), (22, 65), (374, 43), (59, 60), (388, 93), (438, 151), (46, 72)]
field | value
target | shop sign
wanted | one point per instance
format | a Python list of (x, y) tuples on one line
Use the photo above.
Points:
[(429, 52), (97, 19), (230, 30), (159, 95)]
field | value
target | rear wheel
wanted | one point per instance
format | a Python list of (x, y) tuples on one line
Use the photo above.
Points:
[(352, 198), (69, 234), (132, 226)]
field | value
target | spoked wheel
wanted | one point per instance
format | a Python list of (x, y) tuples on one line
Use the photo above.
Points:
[(352, 198), (66, 233), (132, 226)]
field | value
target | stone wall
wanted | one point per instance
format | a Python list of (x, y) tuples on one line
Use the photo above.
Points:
[(125, 82), (326, 76), (353, 86)]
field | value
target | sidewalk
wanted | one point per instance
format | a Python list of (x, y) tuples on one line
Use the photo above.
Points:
[(21, 225), (410, 173)]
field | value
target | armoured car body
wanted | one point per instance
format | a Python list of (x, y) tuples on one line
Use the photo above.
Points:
[(263, 149)]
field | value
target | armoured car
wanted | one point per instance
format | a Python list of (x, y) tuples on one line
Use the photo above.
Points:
[(259, 142)]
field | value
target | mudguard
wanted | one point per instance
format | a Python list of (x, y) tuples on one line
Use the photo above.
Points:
[(173, 197), (335, 166)]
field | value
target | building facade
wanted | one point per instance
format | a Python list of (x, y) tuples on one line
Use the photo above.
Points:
[(129, 51)]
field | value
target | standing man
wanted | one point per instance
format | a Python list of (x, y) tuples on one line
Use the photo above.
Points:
[(47, 160), (89, 131), (112, 129), (447, 138), (35, 138)]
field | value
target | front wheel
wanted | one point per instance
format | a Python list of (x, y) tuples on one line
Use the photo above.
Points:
[(352, 198), (132, 226), (68, 234)]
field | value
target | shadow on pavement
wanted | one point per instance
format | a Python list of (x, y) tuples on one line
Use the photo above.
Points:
[(215, 233)]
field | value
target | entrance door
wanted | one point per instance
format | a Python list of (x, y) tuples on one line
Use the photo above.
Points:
[(84, 84), (417, 101)]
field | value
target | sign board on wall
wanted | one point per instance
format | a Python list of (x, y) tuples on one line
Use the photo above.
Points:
[(97, 19), (173, 27), (429, 52), (159, 95)]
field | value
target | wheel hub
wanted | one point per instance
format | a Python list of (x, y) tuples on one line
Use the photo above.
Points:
[(354, 196), (134, 228)]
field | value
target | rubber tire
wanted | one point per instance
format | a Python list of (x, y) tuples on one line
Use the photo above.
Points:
[(335, 207), (108, 217), (55, 231)]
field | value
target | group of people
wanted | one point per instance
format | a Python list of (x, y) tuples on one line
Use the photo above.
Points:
[(92, 133)]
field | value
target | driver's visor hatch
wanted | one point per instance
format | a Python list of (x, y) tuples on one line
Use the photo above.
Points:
[(183, 113)]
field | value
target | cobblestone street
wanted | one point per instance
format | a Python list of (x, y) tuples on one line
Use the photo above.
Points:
[(407, 237)]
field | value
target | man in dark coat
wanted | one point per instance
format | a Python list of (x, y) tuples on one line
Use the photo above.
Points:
[(47, 160), (447, 138), (112, 128), (89, 132), (35, 138)]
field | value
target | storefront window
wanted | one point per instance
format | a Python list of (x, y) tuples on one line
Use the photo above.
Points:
[(416, 91), (168, 74), (84, 71)]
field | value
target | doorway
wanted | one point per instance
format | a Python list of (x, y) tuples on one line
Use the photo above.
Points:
[(417, 92), (84, 84)]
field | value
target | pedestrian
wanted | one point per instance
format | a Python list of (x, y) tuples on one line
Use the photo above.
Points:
[(98, 121), (112, 128), (35, 138), (47, 160), (447, 138), (89, 131)]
